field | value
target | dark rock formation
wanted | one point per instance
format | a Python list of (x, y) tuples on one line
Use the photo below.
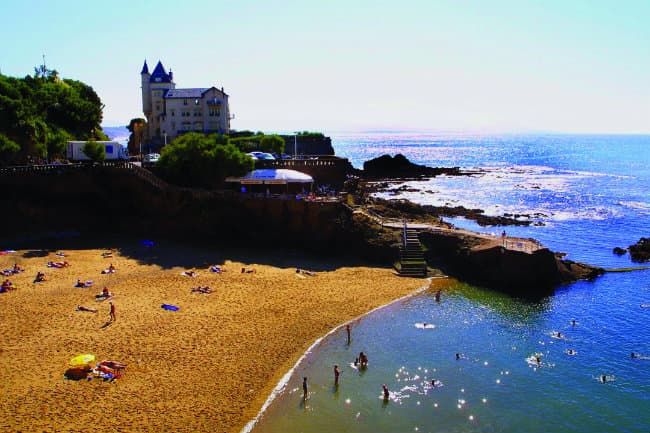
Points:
[(399, 166), (619, 251), (405, 208), (640, 252), (515, 272)]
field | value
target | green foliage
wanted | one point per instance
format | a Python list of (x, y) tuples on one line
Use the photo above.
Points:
[(272, 144), (95, 151), (136, 127), (195, 160), (39, 113), (8, 150), (310, 134), (247, 143)]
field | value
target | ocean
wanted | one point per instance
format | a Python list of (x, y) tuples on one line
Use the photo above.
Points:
[(586, 194)]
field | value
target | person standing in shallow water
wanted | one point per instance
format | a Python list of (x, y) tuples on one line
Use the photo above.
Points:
[(337, 373), (304, 388), (347, 330), (386, 393)]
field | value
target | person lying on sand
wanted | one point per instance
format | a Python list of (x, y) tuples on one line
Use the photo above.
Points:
[(82, 308), (217, 269), (200, 289), (190, 273), (305, 272), (7, 285), (247, 271), (58, 265)]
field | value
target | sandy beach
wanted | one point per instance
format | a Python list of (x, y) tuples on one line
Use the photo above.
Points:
[(207, 367)]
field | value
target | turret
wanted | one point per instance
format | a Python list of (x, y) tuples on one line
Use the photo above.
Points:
[(146, 90)]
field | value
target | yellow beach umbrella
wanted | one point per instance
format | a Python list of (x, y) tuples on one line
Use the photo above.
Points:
[(80, 360)]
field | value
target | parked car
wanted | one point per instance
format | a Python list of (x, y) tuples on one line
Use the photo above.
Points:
[(151, 158), (260, 155)]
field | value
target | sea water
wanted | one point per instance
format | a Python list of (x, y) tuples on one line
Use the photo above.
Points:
[(586, 195)]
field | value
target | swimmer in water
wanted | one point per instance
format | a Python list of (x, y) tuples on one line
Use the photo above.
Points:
[(538, 360), (386, 393), (458, 356), (436, 383), (603, 378), (573, 322), (571, 352)]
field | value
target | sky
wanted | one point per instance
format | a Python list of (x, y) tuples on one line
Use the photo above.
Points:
[(344, 65)]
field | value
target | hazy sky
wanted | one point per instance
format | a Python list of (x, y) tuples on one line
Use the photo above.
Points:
[(566, 65)]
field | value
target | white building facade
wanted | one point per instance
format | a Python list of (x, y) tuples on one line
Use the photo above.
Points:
[(171, 112)]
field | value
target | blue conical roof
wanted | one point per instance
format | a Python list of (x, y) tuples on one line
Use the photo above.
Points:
[(159, 74), (145, 68)]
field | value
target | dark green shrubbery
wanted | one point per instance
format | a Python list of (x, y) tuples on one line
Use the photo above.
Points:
[(197, 160)]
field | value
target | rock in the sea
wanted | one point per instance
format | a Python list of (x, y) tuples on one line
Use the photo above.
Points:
[(640, 252), (399, 166), (619, 251)]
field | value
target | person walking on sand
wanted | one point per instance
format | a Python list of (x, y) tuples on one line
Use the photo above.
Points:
[(304, 388), (337, 373), (112, 312)]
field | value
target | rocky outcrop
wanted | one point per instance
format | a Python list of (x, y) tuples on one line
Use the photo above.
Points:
[(640, 252), (399, 166), (526, 275)]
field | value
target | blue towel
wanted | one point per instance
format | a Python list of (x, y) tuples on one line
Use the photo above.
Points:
[(169, 307)]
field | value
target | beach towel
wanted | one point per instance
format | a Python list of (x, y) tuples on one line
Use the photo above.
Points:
[(3, 252), (108, 271), (169, 307), (216, 269)]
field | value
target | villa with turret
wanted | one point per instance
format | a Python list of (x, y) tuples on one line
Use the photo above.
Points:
[(171, 112)]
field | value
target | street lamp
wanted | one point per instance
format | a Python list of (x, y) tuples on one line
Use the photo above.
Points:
[(165, 135), (295, 143)]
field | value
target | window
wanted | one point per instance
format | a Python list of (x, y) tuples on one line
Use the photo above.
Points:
[(184, 101), (197, 113), (173, 114)]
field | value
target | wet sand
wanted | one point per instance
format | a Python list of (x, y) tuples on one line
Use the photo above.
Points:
[(208, 367)]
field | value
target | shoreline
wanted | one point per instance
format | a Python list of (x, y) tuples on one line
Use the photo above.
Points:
[(285, 379)]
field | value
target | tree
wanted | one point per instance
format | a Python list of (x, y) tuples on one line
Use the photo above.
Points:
[(195, 160), (8, 150), (40, 113), (95, 151), (136, 127), (272, 144)]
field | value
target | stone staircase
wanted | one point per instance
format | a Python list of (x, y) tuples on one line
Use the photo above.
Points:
[(412, 263)]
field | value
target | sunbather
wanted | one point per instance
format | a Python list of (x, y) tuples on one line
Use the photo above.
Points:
[(200, 289), (82, 308), (6, 286)]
